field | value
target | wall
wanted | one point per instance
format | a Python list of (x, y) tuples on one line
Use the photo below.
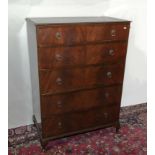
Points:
[(20, 98)]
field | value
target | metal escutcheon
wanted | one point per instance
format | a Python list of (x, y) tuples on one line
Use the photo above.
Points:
[(58, 57), (109, 74), (59, 81), (59, 104), (59, 124), (111, 52), (106, 115), (113, 32), (106, 95), (58, 35)]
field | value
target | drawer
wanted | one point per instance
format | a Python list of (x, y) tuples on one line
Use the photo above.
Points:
[(60, 35), (52, 81), (65, 124), (78, 101), (109, 31), (81, 55), (61, 56), (105, 53), (82, 33)]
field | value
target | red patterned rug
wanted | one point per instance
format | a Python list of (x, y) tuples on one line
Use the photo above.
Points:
[(131, 139)]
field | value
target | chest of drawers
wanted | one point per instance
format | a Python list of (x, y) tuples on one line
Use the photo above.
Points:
[(77, 69)]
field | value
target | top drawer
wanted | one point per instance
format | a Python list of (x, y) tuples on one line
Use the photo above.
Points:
[(81, 33)]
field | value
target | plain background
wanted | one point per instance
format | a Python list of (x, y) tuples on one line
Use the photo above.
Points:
[(20, 99)]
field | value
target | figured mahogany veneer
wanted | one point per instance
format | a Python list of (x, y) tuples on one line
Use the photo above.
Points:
[(60, 57), (77, 69), (67, 79), (109, 31), (58, 34), (78, 101), (80, 120), (57, 57)]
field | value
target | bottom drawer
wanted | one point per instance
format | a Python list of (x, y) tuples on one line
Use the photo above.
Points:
[(64, 124)]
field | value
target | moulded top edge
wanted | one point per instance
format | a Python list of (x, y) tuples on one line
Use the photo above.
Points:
[(58, 20)]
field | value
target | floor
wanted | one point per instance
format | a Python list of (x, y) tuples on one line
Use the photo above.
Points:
[(130, 140)]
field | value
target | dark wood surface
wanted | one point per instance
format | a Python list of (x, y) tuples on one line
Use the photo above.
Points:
[(78, 101), (65, 123), (67, 79), (49, 58), (72, 34), (61, 57), (107, 32), (81, 71)]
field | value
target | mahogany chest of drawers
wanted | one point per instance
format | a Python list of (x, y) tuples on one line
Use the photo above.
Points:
[(77, 69)]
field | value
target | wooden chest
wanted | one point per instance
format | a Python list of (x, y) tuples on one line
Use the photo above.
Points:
[(77, 69)]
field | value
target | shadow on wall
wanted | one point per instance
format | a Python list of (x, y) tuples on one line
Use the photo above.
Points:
[(135, 84)]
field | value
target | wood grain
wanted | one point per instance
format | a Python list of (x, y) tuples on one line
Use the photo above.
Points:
[(66, 79), (82, 33), (67, 123), (81, 70), (63, 57), (78, 101)]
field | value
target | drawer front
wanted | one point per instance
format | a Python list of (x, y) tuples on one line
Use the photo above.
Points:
[(61, 56), (68, 79), (81, 55), (109, 31), (105, 53), (78, 101), (60, 35), (82, 33), (63, 124)]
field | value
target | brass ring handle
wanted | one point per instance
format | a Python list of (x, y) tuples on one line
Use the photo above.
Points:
[(59, 81), (111, 52), (113, 32), (109, 74), (105, 115), (59, 104), (107, 95), (58, 35), (59, 124), (59, 57)]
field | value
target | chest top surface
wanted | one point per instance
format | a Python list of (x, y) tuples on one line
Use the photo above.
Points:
[(62, 20)]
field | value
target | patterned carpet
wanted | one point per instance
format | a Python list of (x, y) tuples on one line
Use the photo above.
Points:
[(131, 139)]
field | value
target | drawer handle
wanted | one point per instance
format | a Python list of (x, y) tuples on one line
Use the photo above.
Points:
[(113, 32), (59, 81), (111, 52), (109, 74), (59, 124), (59, 57), (107, 95), (58, 35), (105, 115), (59, 104)]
